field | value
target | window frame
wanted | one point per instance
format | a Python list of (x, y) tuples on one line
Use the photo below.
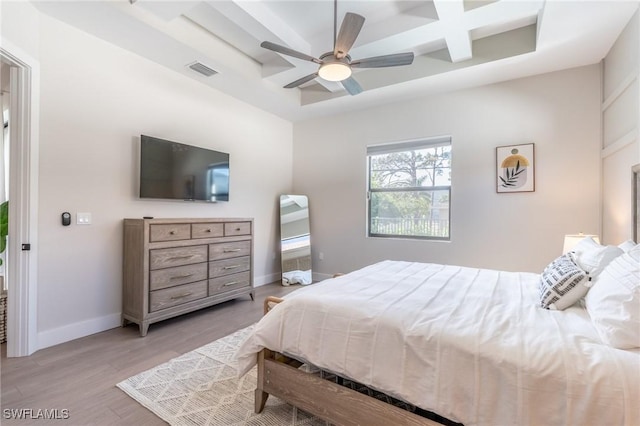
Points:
[(404, 146)]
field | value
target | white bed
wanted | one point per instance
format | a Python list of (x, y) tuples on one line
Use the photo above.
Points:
[(471, 345)]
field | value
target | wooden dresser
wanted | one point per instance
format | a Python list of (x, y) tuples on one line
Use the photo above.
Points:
[(175, 266)]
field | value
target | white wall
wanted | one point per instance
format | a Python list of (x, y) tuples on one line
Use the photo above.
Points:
[(559, 112), (621, 124), (96, 101), (19, 25)]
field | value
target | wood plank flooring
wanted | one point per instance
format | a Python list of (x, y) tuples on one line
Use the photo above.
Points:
[(80, 376)]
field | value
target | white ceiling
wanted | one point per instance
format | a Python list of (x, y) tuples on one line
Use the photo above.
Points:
[(457, 43)]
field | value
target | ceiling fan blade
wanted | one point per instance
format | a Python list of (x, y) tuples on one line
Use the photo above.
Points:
[(289, 52), (392, 60), (352, 86), (349, 30), (300, 81)]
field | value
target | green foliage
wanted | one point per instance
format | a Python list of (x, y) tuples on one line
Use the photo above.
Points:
[(4, 226), (416, 171)]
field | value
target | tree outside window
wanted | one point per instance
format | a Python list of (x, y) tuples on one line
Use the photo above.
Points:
[(409, 189)]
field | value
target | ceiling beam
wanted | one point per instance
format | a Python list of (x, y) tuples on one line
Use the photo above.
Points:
[(454, 28), (451, 16), (259, 21)]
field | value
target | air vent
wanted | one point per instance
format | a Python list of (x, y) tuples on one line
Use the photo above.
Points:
[(202, 69)]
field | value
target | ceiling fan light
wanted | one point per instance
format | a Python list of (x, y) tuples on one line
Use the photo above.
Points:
[(335, 71)]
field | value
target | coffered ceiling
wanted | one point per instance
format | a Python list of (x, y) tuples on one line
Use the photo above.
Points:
[(456, 43)]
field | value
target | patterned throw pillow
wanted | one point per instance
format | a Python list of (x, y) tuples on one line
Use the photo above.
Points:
[(563, 283)]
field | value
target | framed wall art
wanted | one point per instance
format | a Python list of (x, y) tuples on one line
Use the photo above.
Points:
[(515, 168)]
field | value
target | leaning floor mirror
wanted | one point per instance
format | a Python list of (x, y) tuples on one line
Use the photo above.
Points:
[(295, 240)]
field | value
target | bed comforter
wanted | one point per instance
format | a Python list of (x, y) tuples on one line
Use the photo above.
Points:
[(469, 344)]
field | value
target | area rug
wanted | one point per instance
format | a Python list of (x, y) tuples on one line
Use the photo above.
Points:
[(202, 388)]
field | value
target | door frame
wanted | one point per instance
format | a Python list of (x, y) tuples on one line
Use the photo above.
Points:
[(23, 206)]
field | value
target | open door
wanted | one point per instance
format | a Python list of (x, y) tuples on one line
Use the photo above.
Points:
[(23, 171)]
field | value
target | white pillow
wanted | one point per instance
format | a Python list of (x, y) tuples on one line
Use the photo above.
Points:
[(614, 302), (593, 257), (563, 283), (627, 245)]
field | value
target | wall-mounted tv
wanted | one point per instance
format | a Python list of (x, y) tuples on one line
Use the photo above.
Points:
[(172, 170)]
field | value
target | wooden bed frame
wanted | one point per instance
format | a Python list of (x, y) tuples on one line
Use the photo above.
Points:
[(279, 376)]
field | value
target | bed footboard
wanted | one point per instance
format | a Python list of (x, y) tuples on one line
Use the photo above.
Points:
[(332, 402), (280, 376)]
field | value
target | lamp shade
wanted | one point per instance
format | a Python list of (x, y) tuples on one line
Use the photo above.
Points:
[(571, 240)]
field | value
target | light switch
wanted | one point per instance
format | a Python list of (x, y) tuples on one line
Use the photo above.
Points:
[(83, 218)]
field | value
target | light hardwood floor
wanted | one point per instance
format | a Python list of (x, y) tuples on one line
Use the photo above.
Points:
[(80, 376)]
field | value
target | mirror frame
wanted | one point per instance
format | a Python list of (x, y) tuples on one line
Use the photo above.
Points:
[(295, 242)]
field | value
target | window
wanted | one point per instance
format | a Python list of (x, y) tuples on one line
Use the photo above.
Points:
[(410, 189)]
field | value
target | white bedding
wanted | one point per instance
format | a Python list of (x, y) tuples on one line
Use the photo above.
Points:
[(469, 344)]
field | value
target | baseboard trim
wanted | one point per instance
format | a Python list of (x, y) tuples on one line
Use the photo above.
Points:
[(266, 279), (80, 329), (77, 330)]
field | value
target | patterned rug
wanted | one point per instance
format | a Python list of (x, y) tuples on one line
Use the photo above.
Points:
[(202, 388)]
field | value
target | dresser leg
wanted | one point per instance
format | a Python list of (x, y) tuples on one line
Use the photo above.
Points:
[(125, 322), (144, 327)]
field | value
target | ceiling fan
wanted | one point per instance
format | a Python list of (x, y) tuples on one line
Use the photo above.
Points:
[(337, 65)]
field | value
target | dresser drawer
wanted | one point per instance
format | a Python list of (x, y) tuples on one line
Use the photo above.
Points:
[(226, 250), (229, 282), (237, 228), (169, 277), (172, 296), (178, 256), (219, 268), (207, 230), (179, 231)]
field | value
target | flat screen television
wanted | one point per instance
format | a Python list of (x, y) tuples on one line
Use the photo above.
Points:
[(175, 171)]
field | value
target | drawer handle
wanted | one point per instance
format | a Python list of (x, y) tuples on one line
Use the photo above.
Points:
[(231, 250), (231, 283), (177, 277), (237, 229), (208, 230), (181, 257), (172, 232), (182, 295), (231, 267)]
